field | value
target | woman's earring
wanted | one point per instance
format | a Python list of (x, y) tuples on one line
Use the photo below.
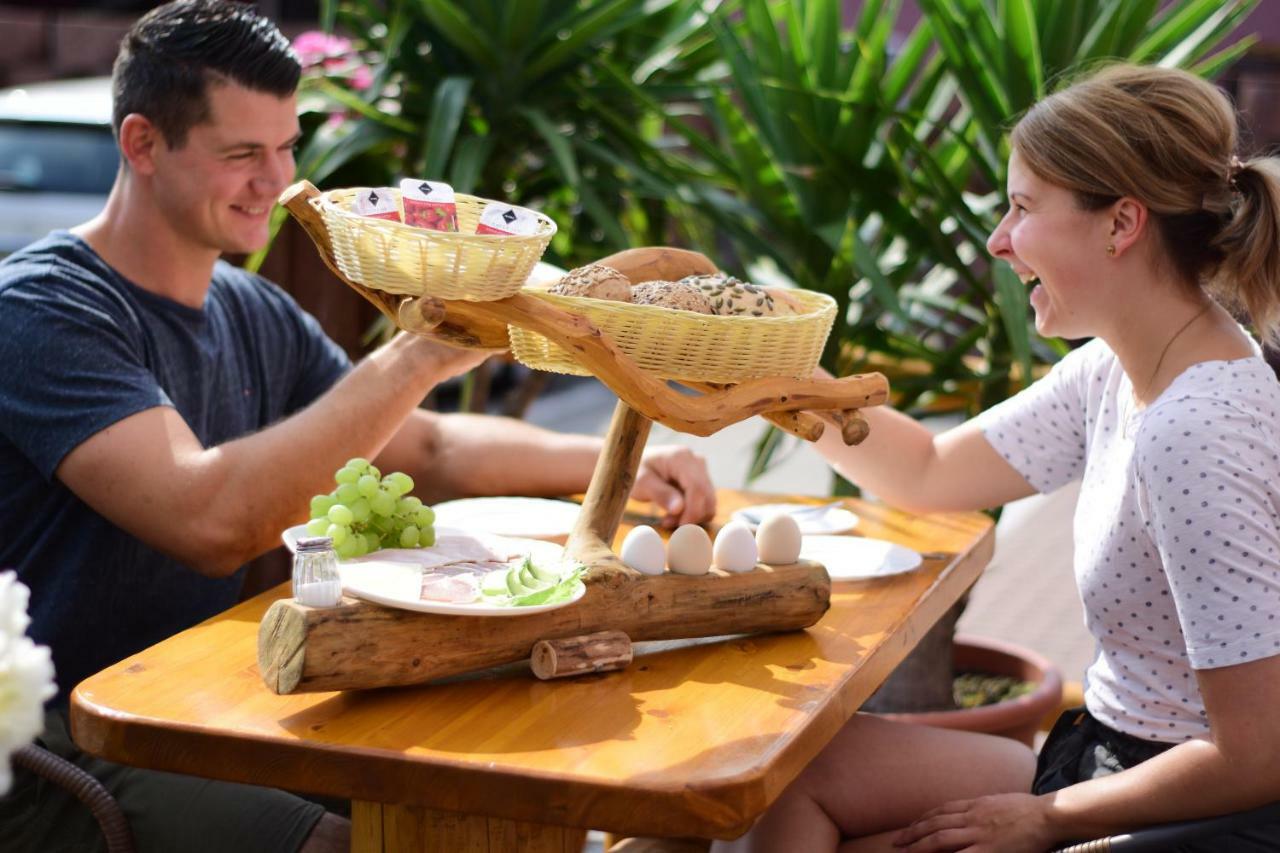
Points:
[(1111, 248)]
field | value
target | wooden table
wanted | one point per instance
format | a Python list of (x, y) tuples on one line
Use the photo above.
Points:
[(694, 739)]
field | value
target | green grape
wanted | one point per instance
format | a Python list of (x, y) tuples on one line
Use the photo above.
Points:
[(372, 471), (347, 549), (426, 537), (347, 493), (346, 475), (361, 544), (320, 505), (408, 506), (357, 463), (341, 514), (379, 524), (403, 483), (425, 516), (360, 511), (339, 533), (409, 537), (318, 526), (382, 503), (368, 485)]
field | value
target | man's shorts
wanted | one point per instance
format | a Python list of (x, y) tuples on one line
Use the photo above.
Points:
[(167, 812), (1080, 748)]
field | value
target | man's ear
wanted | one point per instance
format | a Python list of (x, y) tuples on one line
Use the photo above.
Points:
[(1128, 223), (139, 139)]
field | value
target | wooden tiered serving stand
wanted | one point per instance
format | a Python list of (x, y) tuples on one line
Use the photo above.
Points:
[(361, 645)]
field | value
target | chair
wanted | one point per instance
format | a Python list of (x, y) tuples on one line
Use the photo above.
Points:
[(1168, 835), (55, 768)]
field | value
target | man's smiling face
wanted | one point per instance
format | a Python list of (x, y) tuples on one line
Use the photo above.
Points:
[(217, 189)]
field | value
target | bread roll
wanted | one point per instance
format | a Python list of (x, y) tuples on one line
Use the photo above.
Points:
[(594, 281), (733, 298), (671, 294)]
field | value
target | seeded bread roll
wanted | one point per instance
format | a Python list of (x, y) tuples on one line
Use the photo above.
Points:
[(595, 281), (731, 297), (671, 294)]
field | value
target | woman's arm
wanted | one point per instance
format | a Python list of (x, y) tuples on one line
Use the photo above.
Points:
[(1234, 771), (906, 465)]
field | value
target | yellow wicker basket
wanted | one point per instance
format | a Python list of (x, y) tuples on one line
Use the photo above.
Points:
[(690, 346), (398, 258)]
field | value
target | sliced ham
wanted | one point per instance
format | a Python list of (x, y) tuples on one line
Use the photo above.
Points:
[(454, 589), (452, 546)]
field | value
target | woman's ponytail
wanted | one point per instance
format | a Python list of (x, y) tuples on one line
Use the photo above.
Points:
[(1248, 277)]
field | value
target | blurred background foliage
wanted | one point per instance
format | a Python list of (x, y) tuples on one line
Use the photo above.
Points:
[(864, 158)]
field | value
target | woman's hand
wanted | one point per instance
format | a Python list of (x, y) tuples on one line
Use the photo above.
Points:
[(676, 479), (1002, 823)]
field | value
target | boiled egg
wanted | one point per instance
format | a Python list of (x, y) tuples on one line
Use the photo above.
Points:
[(643, 551), (778, 539), (689, 550), (735, 548)]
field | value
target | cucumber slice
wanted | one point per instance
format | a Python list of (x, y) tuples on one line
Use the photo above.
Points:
[(543, 574), (531, 582), (513, 583), (495, 583)]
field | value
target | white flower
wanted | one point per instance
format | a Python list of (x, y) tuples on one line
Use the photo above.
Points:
[(26, 675)]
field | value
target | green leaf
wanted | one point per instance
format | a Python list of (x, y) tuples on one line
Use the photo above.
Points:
[(353, 102), (1222, 60), (461, 30), (1024, 67), (561, 149), (470, 156), (1011, 300), (447, 106)]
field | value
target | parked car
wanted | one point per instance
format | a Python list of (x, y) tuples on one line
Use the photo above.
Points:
[(58, 157)]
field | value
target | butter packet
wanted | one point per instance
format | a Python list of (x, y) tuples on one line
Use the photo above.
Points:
[(378, 203), (428, 204), (507, 219)]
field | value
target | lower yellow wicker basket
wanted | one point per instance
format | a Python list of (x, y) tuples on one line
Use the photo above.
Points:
[(398, 258), (690, 346)]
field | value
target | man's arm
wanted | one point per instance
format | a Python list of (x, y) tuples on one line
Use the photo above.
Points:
[(464, 455), (214, 508)]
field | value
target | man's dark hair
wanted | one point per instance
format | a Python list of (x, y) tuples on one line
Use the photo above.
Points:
[(169, 58)]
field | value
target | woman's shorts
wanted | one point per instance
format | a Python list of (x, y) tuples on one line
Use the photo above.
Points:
[(1080, 748)]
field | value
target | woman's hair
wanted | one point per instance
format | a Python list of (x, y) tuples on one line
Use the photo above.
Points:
[(1168, 139)]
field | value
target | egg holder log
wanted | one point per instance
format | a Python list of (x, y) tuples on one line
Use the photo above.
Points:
[(362, 645)]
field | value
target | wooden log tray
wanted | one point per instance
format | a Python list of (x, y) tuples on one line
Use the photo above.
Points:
[(363, 645)]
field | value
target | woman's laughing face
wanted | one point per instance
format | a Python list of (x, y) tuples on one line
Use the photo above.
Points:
[(1055, 246)]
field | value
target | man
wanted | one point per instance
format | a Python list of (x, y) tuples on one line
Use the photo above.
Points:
[(163, 415)]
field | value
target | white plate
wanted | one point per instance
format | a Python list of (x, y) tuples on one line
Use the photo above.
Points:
[(399, 584), (522, 518), (829, 520), (849, 558)]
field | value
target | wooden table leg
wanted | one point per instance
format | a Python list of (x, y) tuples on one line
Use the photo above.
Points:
[(384, 828)]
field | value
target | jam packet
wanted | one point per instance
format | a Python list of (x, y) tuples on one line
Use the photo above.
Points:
[(378, 203), (499, 218), (428, 204)]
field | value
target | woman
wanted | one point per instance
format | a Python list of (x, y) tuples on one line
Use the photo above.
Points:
[(1135, 221)]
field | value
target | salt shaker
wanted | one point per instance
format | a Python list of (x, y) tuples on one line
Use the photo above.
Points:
[(315, 573)]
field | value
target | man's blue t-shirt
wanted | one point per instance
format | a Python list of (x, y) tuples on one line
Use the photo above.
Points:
[(82, 348)]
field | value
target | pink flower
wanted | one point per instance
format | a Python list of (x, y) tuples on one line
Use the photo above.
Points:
[(314, 47), (361, 78)]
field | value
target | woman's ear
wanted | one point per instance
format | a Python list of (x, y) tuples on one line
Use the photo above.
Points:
[(139, 139), (1128, 224)]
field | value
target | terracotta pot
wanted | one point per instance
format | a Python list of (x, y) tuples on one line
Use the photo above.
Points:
[(1017, 718)]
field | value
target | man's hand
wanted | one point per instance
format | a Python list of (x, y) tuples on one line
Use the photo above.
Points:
[(676, 479), (1001, 823), (444, 361)]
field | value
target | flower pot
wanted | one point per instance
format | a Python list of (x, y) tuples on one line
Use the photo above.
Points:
[(1017, 718)]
